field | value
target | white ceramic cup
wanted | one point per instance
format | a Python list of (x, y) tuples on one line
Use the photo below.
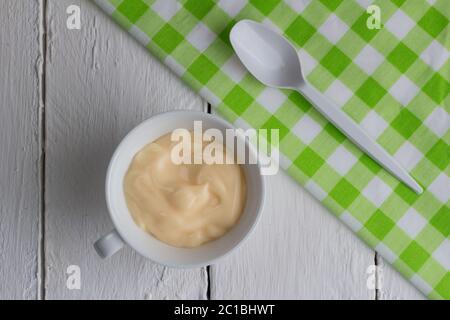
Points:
[(126, 231)]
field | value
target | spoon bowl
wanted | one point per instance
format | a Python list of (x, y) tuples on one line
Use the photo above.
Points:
[(267, 55)]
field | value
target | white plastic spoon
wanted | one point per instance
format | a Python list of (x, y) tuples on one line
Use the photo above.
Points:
[(275, 62)]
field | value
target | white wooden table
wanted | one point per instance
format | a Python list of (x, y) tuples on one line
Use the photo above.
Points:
[(67, 97)]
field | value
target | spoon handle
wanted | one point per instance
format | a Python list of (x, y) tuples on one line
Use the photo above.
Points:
[(354, 132)]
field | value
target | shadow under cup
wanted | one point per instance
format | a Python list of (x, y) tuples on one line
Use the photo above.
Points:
[(145, 243)]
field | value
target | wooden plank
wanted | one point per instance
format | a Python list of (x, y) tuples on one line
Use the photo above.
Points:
[(298, 251), (101, 83), (20, 76)]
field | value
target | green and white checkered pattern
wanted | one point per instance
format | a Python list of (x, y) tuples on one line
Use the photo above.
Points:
[(394, 82)]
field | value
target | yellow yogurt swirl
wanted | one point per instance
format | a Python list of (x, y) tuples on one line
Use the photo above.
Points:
[(183, 205)]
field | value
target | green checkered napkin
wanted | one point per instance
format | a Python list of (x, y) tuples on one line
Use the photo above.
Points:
[(394, 82)]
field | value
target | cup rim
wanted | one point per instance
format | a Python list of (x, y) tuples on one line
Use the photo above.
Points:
[(124, 236)]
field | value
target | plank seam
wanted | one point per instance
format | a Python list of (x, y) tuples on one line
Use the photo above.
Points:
[(42, 147), (208, 268), (377, 276)]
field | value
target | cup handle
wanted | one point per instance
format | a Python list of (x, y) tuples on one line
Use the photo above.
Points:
[(109, 244)]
